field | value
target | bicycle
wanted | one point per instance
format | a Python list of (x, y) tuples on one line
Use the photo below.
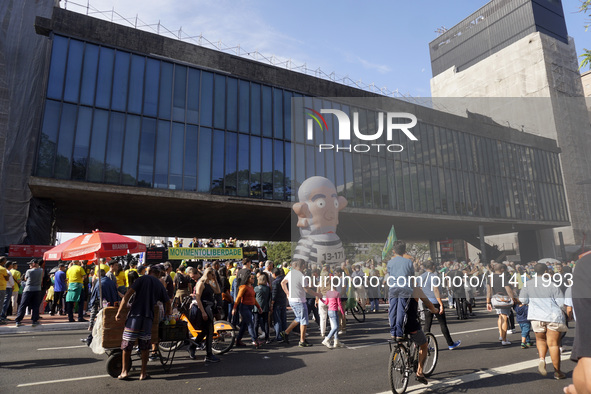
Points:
[(224, 335), (358, 312), (404, 360)]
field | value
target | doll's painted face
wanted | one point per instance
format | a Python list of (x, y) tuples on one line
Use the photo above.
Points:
[(324, 207), (319, 206)]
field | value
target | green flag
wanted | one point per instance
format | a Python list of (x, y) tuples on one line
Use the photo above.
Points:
[(389, 243)]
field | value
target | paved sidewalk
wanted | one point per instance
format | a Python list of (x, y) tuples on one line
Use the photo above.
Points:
[(47, 323)]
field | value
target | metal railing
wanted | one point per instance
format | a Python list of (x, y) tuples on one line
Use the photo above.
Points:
[(158, 28)]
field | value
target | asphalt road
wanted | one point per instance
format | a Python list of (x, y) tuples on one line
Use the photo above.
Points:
[(57, 362)]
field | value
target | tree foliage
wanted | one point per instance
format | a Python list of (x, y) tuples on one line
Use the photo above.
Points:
[(586, 56), (278, 252)]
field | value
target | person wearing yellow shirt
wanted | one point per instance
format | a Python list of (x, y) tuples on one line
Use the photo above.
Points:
[(121, 279), (16, 275), (75, 276), (4, 277), (132, 267)]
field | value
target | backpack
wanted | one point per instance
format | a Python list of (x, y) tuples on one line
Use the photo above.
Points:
[(182, 281)]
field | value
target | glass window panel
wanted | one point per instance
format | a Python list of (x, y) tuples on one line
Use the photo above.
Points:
[(375, 183), (162, 149), (65, 142), (136, 84), (300, 165), (442, 190), (190, 162), (131, 149), (206, 98), (330, 170), (428, 189), (91, 56), (435, 189), (204, 168), (278, 181), (232, 104), (255, 167), (193, 96), (81, 144), (114, 148), (147, 146), (310, 168), (165, 97), (389, 172), (231, 180), (357, 180), (180, 93), (120, 81), (255, 109), (267, 180), (105, 77), (277, 113), (267, 109), (220, 102), (244, 107), (349, 186), (72, 88), (320, 157), (151, 88), (217, 163), (287, 115), (98, 145), (287, 173), (243, 167), (340, 171), (300, 118), (57, 69), (177, 141)]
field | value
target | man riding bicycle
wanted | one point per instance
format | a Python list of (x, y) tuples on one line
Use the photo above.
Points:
[(403, 311)]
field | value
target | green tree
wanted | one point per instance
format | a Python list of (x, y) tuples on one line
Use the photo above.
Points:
[(586, 56), (278, 252)]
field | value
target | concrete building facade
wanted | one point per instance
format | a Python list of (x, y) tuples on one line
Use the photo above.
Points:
[(538, 63), (141, 134)]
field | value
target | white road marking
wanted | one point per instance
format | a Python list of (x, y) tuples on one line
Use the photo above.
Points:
[(437, 336), (62, 347), (63, 380), (487, 373)]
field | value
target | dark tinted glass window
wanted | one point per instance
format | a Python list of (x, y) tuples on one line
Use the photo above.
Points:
[(120, 81), (244, 106), (243, 167), (232, 104), (180, 93), (190, 163), (131, 150), (147, 144), (151, 87), (176, 156), (57, 69), (205, 149), (217, 163), (65, 141), (115, 148), (162, 148), (206, 98), (230, 180), (255, 108), (91, 56), (255, 167), (267, 109), (136, 84), (98, 145), (165, 101), (73, 72), (193, 96), (81, 144), (105, 77), (220, 102)]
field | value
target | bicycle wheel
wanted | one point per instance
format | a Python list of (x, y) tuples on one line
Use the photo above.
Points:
[(398, 371), (358, 313), (432, 355), (170, 346), (223, 338)]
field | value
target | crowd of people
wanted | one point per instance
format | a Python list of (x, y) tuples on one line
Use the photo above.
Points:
[(255, 298)]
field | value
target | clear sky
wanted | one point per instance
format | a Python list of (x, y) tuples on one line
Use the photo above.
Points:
[(384, 42)]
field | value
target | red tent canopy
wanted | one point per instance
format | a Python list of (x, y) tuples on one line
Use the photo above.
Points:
[(99, 244)]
